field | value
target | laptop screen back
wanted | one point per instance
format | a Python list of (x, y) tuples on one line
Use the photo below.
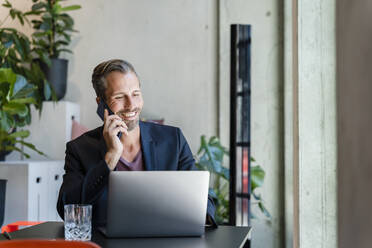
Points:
[(157, 203)]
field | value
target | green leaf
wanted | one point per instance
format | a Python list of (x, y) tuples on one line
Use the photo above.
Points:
[(14, 148), (47, 90), (67, 37), (264, 210), (20, 134), (38, 6), (12, 13), (14, 108), (7, 4), (26, 91), (257, 176), (7, 75), (45, 58), (203, 144), (4, 90), (8, 44), (18, 45), (212, 193), (20, 18), (6, 121), (64, 50), (27, 100), (19, 84), (226, 173), (12, 54), (61, 42), (31, 146), (46, 25), (71, 7)]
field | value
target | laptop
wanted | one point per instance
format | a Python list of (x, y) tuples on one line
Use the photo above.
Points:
[(156, 203)]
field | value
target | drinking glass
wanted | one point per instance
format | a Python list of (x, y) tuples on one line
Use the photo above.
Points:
[(78, 222)]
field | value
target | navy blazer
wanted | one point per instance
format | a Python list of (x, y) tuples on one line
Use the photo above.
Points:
[(86, 172)]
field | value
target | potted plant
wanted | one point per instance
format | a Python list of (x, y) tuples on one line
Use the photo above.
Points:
[(21, 83), (210, 157), (16, 52), (52, 33), (15, 100)]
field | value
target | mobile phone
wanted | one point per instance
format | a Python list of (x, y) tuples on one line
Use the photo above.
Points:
[(101, 109)]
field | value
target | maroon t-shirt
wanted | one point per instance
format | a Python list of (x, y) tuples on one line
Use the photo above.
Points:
[(135, 165)]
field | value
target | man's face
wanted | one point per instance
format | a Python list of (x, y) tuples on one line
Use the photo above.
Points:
[(124, 97)]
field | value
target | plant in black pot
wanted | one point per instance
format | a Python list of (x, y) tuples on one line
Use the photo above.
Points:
[(16, 96), (52, 34), (51, 37), (16, 53)]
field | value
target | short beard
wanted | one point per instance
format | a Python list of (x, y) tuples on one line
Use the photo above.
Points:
[(132, 124)]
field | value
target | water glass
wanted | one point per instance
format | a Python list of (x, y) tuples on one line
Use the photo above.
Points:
[(78, 222)]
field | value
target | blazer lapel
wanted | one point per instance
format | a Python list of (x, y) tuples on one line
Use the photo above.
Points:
[(148, 146)]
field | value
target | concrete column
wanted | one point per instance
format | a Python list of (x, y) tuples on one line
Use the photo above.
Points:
[(310, 106)]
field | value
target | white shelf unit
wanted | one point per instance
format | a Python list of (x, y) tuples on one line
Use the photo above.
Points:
[(32, 190)]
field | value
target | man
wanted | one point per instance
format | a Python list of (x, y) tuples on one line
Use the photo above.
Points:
[(142, 146)]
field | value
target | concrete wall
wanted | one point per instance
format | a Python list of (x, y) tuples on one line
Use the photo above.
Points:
[(354, 62), (172, 45), (267, 102)]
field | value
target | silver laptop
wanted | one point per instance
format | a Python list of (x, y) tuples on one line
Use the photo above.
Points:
[(157, 203)]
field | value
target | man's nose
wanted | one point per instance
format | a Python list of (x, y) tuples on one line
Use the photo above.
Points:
[(128, 103)]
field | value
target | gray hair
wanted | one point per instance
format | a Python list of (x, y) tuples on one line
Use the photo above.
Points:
[(103, 69)]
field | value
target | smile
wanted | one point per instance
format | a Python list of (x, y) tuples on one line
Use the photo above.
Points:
[(128, 115)]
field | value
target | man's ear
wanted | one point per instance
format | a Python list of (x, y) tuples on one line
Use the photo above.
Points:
[(97, 100)]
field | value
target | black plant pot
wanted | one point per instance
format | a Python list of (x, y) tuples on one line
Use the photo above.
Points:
[(3, 154), (56, 75)]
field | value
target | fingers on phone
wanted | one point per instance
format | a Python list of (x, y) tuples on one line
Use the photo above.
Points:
[(116, 126), (105, 114), (120, 129), (125, 131)]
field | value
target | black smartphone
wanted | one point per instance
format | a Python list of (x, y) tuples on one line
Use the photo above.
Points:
[(100, 111)]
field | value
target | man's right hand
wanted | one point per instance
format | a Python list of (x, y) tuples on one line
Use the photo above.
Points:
[(112, 125)]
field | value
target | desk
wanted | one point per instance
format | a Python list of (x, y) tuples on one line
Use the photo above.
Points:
[(223, 236)]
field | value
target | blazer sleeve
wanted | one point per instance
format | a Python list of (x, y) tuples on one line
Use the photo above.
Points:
[(186, 162), (81, 185)]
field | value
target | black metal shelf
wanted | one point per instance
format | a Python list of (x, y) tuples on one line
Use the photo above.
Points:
[(240, 143)]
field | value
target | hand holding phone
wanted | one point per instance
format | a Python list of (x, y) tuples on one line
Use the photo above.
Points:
[(112, 125), (100, 111)]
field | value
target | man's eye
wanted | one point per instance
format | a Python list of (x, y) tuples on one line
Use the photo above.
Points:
[(118, 97)]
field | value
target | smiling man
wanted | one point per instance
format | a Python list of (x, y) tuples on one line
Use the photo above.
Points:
[(91, 157)]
